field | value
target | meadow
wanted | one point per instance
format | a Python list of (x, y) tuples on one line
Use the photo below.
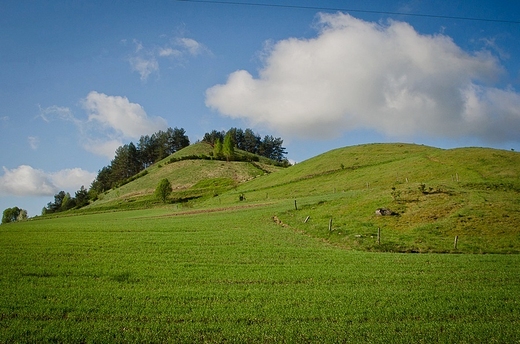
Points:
[(232, 274)]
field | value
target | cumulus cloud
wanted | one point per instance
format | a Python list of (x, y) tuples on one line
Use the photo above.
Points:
[(28, 181), (118, 113), (72, 178), (363, 75), (111, 120), (145, 60)]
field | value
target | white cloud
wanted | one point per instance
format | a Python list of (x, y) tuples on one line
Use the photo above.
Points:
[(144, 66), (72, 179), (165, 52), (34, 142), (128, 120), (362, 75), (111, 120), (192, 46), (104, 148), (28, 181)]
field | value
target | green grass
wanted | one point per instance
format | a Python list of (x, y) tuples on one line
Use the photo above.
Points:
[(471, 193), (211, 268), (185, 275)]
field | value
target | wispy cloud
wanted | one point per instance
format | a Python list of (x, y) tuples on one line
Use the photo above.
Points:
[(28, 181), (144, 66), (363, 75), (34, 142), (54, 112), (145, 60)]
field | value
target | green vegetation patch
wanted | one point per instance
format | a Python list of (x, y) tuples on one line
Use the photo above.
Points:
[(237, 276)]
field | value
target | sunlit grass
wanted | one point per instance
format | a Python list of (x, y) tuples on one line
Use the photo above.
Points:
[(236, 275)]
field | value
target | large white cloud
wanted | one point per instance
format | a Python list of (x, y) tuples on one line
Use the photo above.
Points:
[(358, 75), (119, 114), (28, 181)]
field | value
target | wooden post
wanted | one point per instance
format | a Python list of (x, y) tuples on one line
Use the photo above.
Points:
[(330, 225), (457, 176), (456, 242), (378, 235), (306, 219), (295, 206)]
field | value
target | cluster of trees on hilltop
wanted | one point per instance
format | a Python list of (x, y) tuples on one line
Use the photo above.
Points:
[(130, 159), (247, 140)]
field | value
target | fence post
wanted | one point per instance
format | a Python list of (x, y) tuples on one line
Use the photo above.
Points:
[(295, 206), (456, 242)]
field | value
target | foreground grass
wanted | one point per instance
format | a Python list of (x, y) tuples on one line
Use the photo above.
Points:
[(237, 276)]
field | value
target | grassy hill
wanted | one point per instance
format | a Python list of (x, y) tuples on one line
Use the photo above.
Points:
[(195, 177), (434, 195)]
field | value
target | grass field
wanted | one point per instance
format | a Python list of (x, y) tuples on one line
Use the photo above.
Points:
[(180, 274), (296, 261)]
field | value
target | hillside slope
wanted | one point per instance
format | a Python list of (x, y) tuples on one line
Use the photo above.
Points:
[(433, 195), (192, 175)]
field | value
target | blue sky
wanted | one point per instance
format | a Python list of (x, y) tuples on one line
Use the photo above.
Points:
[(79, 78)]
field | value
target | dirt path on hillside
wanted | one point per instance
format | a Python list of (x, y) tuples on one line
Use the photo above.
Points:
[(206, 211)]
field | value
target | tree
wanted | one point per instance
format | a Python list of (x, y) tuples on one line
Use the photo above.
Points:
[(163, 190), (217, 149), (213, 136), (12, 214), (251, 141), (82, 197), (179, 139), (228, 148), (67, 203)]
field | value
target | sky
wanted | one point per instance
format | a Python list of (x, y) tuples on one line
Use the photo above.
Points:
[(80, 78)]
